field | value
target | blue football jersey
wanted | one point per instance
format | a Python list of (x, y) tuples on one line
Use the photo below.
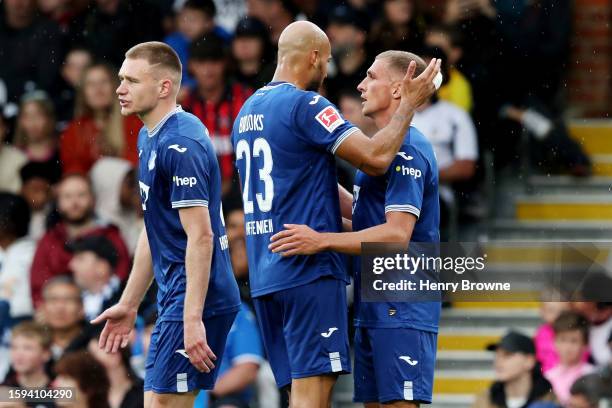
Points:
[(410, 185), (177, 169), (285, 139)]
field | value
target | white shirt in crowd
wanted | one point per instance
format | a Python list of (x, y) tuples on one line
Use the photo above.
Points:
[(15, 263), (598, 343)]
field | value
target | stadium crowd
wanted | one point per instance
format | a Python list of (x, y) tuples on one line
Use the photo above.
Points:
[(70, 210)]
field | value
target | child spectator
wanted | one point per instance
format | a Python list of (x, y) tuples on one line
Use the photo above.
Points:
[(571, 341), (81, 371), (98, 128), (11, 160), (16, 253), (92, 265), (29, 354), (545, 335), (75, 203), (35, 133)]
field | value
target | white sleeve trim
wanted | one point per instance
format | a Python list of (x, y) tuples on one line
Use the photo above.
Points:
[(247, 358), (189, 203), (342, 137), (403, 208)]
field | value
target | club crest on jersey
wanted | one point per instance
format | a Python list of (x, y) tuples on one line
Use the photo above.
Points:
[(329, 118)]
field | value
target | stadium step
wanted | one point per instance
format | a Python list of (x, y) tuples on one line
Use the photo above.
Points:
[(595, 136), (564, 207), (602, 164), (564, 184), (510, 229)]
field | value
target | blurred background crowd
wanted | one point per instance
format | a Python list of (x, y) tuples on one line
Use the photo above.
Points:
[(70, 210)]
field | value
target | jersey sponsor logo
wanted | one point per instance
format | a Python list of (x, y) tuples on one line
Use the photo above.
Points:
[(184, 181), (330, 331), (404, 156), (408, 360), (152, 158), (177, 148), (329, 118), (409, 171), (144, 193), (315, 100), (182, 352)]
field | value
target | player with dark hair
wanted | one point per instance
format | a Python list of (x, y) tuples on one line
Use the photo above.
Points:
[(395, 342), (285, 138), (183, 246)]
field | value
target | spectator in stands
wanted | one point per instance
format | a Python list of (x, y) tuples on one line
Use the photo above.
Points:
[(586, 392), (11, 160), (234, 226), (251, 51), (35, 134), (453, 135), (16, 253), (518, 378), (62, 312), (544, 338), (30, 46), (82, 372), (605, 374), (98, 128), (571, 342), (275, 14), (347, 32), (92, 265), (60, 11), (115, 185), (458, 89), (75, 203), (195, 20), (401, 27), (110, 27), (75, 63), (126, 388), (593, 295), (553, 150), (215, 100), (37, 181), (29, 355)]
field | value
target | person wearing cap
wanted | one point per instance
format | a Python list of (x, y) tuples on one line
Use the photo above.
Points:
[(251, 50), (92, 266), (518, 378), (347, 34), (215, 100)]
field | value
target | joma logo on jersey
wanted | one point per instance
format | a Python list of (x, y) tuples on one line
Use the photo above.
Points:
[(184, 181), (408, 171), (329, 118)]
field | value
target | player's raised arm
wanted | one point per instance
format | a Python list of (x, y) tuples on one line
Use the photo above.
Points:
[(120, 318), (374, 155)]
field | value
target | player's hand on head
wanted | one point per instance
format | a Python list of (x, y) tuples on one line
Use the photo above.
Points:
[(296, 240), (196, 346), (417, 91), (120, 321)]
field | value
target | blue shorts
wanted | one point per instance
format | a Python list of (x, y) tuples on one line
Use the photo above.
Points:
[(169, 371), (305, 330), (394, 365)]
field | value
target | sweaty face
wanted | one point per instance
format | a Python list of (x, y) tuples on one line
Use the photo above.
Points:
[(75, 201), (138, 88), (376, 89), (509, 366)]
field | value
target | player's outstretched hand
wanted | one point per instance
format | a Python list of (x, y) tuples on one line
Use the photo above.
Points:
[(296, 240), (196, 347), (120, 321), (417, 91)]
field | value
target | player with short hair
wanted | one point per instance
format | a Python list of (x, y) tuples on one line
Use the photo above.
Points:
[(285, 138), (395, 342), (183, 245)]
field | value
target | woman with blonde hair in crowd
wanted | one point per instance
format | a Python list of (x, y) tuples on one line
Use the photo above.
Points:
[(98, 129)]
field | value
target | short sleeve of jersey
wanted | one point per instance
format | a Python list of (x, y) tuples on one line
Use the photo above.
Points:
[(406, 182), (185, 161), (246, 342), (320, 123)]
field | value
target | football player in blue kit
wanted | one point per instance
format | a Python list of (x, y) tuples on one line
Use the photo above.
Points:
[(183, 245), (395, 342), (285, 138)]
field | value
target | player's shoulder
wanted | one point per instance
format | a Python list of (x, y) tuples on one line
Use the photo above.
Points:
[(416, 144), (184, 127)]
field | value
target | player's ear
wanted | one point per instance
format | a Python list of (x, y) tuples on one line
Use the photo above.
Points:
[(314, 57), (165, 88), (396, 90)]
